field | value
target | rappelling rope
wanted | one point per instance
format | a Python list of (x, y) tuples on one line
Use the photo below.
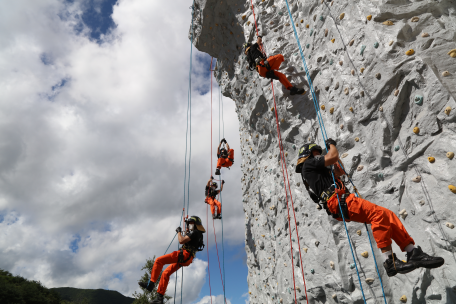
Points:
[(320, 120), (286, 181)]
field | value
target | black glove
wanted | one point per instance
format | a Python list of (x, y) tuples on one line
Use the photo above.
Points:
[(223, 182), (329, 142), (178, 229), (212, 177), (223, 140)]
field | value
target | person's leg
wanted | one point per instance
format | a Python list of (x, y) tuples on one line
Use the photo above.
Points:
[(219, 206), (275, 61), (220, 163), (160, 262), (165, 277), (210, 201), (231, 153), (283, 80)]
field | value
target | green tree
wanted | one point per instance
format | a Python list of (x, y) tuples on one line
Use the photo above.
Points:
[(146, 296), (18, 290)]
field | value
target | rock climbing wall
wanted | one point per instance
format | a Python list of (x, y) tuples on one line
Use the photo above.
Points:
[(384, 73)]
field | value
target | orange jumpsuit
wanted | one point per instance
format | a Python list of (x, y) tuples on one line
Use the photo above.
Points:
[(170, 258), (213, 202), (385, 224), (226, 162), (275, 62)]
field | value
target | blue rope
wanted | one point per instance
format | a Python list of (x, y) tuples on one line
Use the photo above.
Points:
[(320, 121)]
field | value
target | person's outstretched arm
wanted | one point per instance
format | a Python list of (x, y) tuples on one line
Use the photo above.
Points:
[(333, 154), (221, 188), (209, 182), (227, 146)]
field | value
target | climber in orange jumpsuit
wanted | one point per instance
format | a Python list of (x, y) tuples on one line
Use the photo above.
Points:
[(211, 192), (192, 242), (225, 157), (267, 66), (386, 226)]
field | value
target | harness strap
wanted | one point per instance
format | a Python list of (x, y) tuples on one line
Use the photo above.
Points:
[(180, 258)]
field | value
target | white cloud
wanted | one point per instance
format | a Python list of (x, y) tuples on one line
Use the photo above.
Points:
[(101, 158), (215, 300)]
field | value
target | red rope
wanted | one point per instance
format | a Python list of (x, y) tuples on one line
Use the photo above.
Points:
[(211, 115), (286, 182), (207, 249), (215, 237)]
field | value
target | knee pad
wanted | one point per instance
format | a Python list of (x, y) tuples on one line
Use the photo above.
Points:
[(270, 75)]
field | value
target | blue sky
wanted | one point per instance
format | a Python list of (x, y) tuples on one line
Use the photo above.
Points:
[(93, 126)]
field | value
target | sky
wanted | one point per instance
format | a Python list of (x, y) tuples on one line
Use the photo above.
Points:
[(93, 115)]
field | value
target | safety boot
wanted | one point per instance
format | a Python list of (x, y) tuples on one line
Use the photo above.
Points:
[(421, 259), (158, 300), (217, 171), (296, 91), (214, 216), (219, 216), (148, 286), (394, 266)]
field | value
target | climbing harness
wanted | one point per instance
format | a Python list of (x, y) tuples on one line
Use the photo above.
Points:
[(287, 187), (325, 137)]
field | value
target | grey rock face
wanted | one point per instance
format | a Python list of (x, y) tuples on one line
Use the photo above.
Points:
[(379, 95)]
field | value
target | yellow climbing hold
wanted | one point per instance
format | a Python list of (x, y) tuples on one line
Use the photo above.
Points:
[(452, 188), (342, 16), (365, 254), (322, 107), (331, 110), (272, 109), (351, 109), (243, 17), (431, 159), (416, 130), (410, 52), (358, 232), (302, 20), (346, 91), (362, 70), (388, 22), (353, 72), (452, 53), (305, 249), (415, 19), (396, 92), (369, 17), (333, 40), (356, 139), (447, 110), (403, 299), (450, 155), (307, 26)]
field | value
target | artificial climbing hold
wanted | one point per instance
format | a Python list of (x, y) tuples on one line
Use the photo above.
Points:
[(351, 42), (344, 155), (450, 155), (312, 271), (334, 296), (376, 44), (243, 17), (403, 299), (416, 179), (369, 17), (342, 16), (272, 109), (353, 72), (341, 127), (305, 249), (358, 232), (431, 159), (322, 18), (391, 43), (388, 22), (380, 109), (307, 45), (326, 32), (369, 280), (445, 73), (452, 188), (331, 110), (422, 203), (317, 243), (416, 130), (307, 26), (331, 264), (378, 75), (396, 92), (360, 168), (350, 109), (361, 93), (363, 47), (341, 62), (419, 100), (336, 86), (396, 148), (403, 213), (322, 107), (424, 35), (447, 110), (450, 225), (333, 40), (356, 139), (415, 19), (302, 20), (365, 254), (346, 91), (410, 52)]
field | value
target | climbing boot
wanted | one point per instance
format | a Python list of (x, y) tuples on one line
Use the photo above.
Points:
[(214, 216), (296, 91), (219, 216), (148, 286), (394, 266), (158, 300), (217, 171), (421, 259)]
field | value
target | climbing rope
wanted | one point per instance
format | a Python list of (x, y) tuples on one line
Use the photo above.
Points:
[(286, 183)]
